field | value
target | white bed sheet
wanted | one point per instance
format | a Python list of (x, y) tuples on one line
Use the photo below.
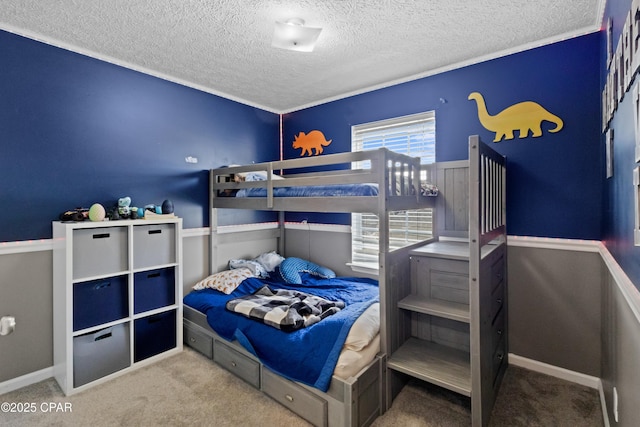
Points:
[(362, 344)]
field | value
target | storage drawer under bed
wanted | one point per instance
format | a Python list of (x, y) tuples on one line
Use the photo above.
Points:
[(360, 410), (295, 398), (197, 339), (237, 363)]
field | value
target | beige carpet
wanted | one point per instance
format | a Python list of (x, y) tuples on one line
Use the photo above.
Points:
[(190, 390)]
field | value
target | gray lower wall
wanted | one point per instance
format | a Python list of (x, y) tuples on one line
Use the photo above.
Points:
[(565, 309), (554, 307), (621, 355), (26, 283)]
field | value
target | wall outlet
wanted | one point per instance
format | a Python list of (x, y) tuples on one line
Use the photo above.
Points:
[(615, 404), (7, 325)]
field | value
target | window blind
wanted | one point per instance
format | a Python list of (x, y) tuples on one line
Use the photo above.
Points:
[(414, 135)]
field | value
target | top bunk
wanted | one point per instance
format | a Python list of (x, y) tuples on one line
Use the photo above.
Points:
[(393, 182)]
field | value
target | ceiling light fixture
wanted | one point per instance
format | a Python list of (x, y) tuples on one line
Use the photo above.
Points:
[(293, 35)]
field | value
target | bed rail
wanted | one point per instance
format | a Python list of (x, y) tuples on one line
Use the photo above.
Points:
[(397, 176), (487, 272), (487, 198)]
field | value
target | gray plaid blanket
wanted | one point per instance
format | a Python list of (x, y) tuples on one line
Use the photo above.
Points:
[(284, 309)]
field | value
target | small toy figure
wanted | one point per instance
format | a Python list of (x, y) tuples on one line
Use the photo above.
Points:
[(76, 215), (123, 207), (167, 207)]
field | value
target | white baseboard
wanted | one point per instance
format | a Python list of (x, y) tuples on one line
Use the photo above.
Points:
[(25, 380), (555, 371), (603, 405)]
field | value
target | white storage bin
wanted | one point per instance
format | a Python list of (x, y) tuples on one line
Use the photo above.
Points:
[(154, 245), (100, 353), (99, 251)]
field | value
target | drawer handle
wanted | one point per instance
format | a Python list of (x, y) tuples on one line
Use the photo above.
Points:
[(500, 356), (155, 231), (499, 331), (103, 336), (101, 236), (152, 275), (102, 285), (233, 364), (289, 397), (192, 339), (499, 300)]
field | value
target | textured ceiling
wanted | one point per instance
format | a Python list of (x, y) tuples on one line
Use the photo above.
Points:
[(224, 46)]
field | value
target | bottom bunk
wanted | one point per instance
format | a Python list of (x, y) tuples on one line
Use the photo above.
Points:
[(352, 401), (336, 377)]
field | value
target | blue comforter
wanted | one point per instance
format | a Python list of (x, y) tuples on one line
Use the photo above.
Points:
[(335, 190), (308, 355)]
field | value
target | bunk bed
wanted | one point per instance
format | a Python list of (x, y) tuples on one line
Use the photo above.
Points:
[(393, 182)]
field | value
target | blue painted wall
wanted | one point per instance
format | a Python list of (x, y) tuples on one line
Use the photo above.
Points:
[(75, 131), (554, 181), (619, 189)]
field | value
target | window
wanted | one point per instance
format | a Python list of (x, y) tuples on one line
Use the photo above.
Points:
[(414, 135)]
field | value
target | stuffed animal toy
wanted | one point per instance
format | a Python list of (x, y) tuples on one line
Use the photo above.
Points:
[(291, 268), (124, 210)]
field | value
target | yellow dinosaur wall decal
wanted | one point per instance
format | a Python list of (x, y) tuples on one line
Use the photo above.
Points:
[(524, 117)]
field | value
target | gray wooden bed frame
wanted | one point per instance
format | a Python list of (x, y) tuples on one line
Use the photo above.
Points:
[(358, 400)]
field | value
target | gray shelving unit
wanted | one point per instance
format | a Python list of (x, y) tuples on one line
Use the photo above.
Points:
[(450, 314), (440, 291), (440, 337), (437, 350)]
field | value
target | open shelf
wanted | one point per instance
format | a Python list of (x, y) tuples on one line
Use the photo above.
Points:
[(452, 249), (434, 363), (440, 308)]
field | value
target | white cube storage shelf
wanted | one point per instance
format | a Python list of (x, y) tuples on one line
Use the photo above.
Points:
[(117, 298)]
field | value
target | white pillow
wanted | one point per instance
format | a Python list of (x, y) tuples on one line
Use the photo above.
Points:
[(269, 260), (364, 329), (225, 281), (256, 268), (257, 176)]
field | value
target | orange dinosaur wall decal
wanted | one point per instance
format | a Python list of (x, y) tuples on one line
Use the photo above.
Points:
[(524, 117), (312, 140)]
